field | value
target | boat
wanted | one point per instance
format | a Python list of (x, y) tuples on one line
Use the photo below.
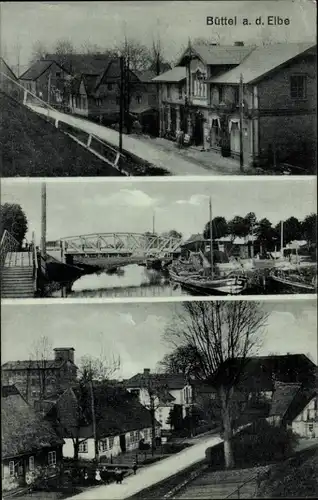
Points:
[(199, 282), (293, 280)]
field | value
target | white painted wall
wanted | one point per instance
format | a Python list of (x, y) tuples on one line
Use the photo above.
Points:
[(306, 423)]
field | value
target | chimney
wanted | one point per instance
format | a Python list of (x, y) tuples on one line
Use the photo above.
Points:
[(146, 371), (64, 354), (239, 44)]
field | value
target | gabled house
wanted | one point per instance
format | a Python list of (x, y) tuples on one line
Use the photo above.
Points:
[(30, 446), (278, 98), (8, 79), (167, 389), (122, 423), (43, 377), (48, 80)]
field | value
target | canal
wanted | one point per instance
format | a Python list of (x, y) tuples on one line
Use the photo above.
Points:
[(138, 281)]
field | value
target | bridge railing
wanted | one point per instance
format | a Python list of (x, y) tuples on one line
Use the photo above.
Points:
[(8, 244), (35, 263)]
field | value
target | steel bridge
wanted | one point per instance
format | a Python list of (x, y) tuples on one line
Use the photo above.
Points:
[(117, 244)]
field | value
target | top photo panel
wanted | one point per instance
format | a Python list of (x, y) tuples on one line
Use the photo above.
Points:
[(158, 88)]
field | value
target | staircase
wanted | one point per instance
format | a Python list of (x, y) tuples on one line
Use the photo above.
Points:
[(17, 277), (221, 484)]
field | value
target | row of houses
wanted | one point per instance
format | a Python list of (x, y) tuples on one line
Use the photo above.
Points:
[(38, 432), (200, 96)]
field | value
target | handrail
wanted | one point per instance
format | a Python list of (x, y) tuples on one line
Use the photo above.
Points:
[(237, 490), (35, 263), (8, 244)]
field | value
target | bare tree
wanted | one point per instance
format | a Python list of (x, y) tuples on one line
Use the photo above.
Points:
[(40, 364), (224, 335), (139, 56), (39, 51), (98, 368), (63, 47), (88, 47)]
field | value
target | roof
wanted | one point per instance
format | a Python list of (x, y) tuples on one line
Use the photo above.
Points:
[(116, 410), (5, 68), (79, 64), (38, 68), (23, 431), (34, 364), (262, 371), (194, 238), (31, 146), (176, 74), (163, 66), (263, 60), (237, 240), (145, 76), (217, 54), (283, 396), (170, 381)]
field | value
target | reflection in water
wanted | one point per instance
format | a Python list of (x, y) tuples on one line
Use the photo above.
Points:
[(135, 281)]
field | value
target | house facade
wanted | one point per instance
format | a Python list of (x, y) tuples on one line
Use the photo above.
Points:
[(278, 95), (43, 377), (48, 80), (122, 423), (166, 391), (30, 446), (305, 424)]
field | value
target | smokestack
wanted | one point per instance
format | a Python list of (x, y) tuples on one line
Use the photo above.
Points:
[(146, 371)]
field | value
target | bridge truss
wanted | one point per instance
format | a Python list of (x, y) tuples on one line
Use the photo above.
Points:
[(133, 244)]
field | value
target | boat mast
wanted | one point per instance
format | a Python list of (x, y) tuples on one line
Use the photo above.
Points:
[(282, 237), (211, 237)]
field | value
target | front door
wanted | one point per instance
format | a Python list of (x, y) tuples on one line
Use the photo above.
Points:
[(122, 442), (198, 130), (235, 138)]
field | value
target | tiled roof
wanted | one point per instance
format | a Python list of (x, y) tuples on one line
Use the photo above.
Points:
[(284, 393), (116, 410), (23, 431), (36, 70), (194, 238), (145, 76), (176, 74), (217, 54), (261, 61), (31, 364), (79, 64), (170, 381)]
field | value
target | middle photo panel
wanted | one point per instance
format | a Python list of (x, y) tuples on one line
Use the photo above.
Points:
[(157, 238)]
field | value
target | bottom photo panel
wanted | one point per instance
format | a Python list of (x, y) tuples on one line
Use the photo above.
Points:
[(192, 399)]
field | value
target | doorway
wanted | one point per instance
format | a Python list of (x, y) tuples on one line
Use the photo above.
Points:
[(122, 443), (198, 129)]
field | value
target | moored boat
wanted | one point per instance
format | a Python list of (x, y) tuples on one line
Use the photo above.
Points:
[(227, 285), (293, 281)]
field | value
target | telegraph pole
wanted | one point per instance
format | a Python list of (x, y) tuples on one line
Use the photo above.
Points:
[(121, 105), (153, 223), (49, 88), (241, 103), (43, 220)]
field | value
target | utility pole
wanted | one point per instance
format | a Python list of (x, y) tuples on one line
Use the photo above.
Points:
[(241, 104), (43, 219), (211, 236), (281, 236), (49, 88), (153, 223), (94, 421), (121, 104)]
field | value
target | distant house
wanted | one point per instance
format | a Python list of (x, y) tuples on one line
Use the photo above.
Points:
[(48, 80), (296, 407), (44, 377), (242, 247), (8, 79), (279, 98), (30, 446), (121, 421), (168, 389)]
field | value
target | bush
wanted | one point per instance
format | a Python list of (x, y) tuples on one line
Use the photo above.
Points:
[(258, 444)]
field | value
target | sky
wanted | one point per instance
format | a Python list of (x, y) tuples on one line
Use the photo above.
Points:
[(76, 207), (134, 331), (106, 23)]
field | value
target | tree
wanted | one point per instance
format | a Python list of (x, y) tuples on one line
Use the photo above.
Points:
[(40, 363), (292, 230), (63, 47), (309, 229), (172, 234), (219, 228), (14, 220), (224, 334), (266, 233), (251, 222), (139, 56), (183, 359), (98, 368), (39, 51), (239, 226)]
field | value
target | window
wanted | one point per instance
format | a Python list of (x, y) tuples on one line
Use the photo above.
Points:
[(311, 427), (135, 392), (180, 90), (236, 95), (298, 87), (58, 74), (221, 96), (31, 463), (103, 445), (83, 447), (109, 86), (138, 99), (52, 458), (11, 468), (168, 91), (111, 442)]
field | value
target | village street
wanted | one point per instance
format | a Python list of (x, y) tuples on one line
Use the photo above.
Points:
[(153, 474), (157, 152)]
